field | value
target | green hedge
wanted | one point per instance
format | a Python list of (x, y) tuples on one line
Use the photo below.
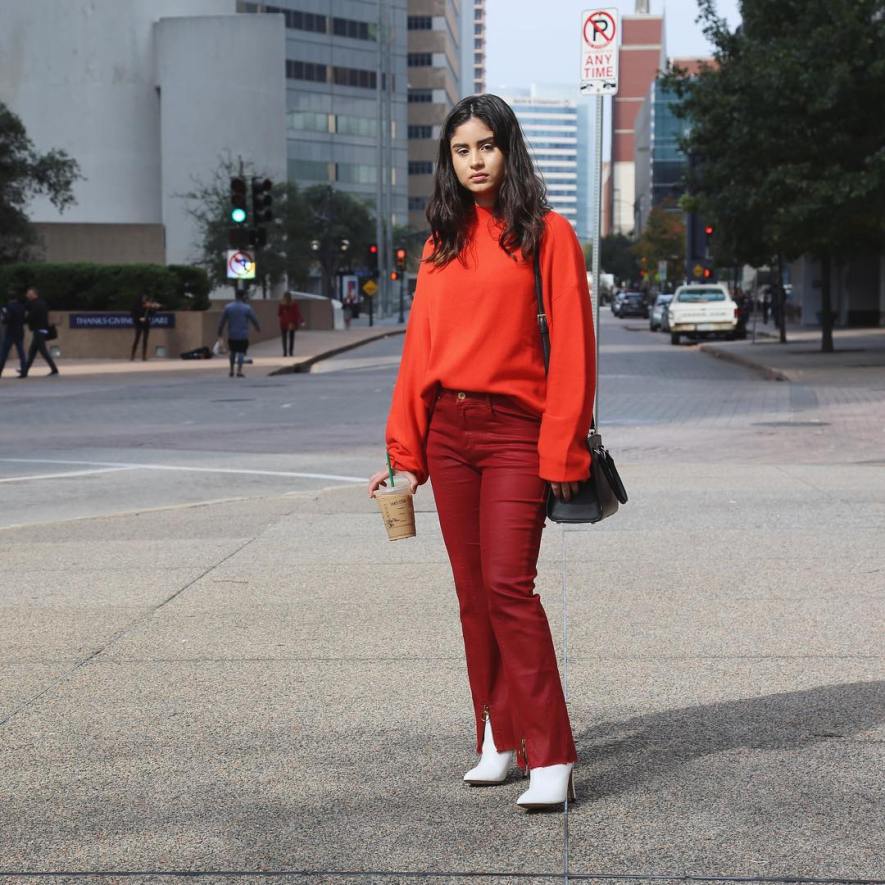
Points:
[(108, 286)]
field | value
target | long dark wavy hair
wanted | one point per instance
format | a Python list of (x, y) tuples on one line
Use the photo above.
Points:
[(522, 199)]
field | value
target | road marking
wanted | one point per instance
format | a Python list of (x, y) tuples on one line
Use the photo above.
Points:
[(69, 473), (184, 469)]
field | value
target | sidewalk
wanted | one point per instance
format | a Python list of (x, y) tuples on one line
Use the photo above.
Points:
[(310, 347), (268, 686), (859, 357)]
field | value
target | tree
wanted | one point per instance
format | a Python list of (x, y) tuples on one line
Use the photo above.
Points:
[(663, 239), (318, 217), (24, 173), (209, 205), (616, 257), (335, 217), (790, 153)]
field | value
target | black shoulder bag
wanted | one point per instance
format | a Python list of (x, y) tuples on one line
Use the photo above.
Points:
[(599, 495)]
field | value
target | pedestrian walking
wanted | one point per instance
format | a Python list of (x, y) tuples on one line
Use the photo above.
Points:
[(237, 315), (14, 334), (290, 320), (472, 410), (37, 318), (143, 311)]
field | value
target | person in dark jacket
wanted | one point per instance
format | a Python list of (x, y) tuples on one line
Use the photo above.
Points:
[(38, 322), (142, 312), (15, 333)]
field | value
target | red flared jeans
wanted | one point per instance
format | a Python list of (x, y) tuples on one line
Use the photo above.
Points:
[(482, 455)]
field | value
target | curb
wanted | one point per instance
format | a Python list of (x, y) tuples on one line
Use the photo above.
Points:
[(304, 365), (765, 371)]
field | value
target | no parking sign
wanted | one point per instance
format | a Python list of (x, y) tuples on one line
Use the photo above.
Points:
[(600, 36)]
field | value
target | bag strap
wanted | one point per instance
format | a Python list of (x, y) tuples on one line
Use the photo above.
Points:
[(542, 316), (544, 327)]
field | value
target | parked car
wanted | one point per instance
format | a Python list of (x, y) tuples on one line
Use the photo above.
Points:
[(701, 311), (657, 311), (630, 304)]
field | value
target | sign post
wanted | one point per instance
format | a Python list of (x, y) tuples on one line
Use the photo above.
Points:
[(600, 39)]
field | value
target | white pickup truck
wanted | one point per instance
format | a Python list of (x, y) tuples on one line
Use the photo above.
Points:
[(700, 311)]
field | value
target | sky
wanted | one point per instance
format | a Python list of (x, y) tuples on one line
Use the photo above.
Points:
[(538, 42)]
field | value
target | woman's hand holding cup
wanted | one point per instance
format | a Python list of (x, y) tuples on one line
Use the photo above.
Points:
[(380, 479)]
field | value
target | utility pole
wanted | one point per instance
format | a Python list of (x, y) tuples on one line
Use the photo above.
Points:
[(379, 182)]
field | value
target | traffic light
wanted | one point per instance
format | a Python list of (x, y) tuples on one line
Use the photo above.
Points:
[(707, 273), (394, 275), (262, 200), (239, 237), (708, 230), (238, 208), (372, 260), (258, 237), (400, 259)]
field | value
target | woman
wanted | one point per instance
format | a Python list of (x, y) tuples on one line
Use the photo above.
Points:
[(290, 319), (473, 410)]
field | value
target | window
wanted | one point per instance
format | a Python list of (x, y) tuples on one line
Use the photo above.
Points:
[(477, 29), (417, 204), (305, 70), (355, 173), (420, 59), (364, 126), (420, 132), (356, 77), (356, 30), (420, 23), (312, 121), (302, 21), (309, 170), (420, 167), (420, 96)]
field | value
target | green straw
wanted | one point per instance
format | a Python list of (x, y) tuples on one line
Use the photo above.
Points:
[(390, 470)]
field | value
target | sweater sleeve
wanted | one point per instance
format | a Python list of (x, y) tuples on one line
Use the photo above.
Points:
[(571, 380), (409, 415)]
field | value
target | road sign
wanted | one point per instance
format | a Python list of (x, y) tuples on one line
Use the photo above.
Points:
[(600, 36), (240, 265), (698, 270), (370, 287), (662, 271)]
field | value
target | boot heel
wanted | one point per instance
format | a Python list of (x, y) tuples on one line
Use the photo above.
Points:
[(572, 796)]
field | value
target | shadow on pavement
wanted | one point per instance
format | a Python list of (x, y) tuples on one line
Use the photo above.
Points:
[(623, 755)]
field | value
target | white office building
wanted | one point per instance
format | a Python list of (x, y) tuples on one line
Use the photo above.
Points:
[(148, 97), (557, 135)]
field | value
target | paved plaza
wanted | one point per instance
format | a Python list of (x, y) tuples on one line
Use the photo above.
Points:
[(213, 664)]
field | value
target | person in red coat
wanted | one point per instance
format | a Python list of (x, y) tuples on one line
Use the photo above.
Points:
[(290, 320), (474, 411)]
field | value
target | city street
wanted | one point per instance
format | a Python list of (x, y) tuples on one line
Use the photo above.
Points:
[(213, 663)]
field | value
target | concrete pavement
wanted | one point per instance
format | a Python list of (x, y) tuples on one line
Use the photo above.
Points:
[(310, 347), (266, 689), (859, 356)]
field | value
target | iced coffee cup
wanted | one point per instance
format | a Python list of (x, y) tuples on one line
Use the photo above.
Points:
[(397, 510)]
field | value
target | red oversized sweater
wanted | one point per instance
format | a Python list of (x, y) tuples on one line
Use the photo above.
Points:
[(473, 327)]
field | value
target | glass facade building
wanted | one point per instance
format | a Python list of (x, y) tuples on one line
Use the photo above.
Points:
[(660, 163), (346, 70)]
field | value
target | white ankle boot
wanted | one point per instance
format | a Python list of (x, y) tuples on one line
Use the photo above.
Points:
[(548, 787), (493, 766)]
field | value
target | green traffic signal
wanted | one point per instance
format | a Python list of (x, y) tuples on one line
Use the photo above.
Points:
[(237, 200)]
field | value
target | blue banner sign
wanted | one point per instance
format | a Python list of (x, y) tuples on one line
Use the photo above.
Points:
[(101, 320)]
